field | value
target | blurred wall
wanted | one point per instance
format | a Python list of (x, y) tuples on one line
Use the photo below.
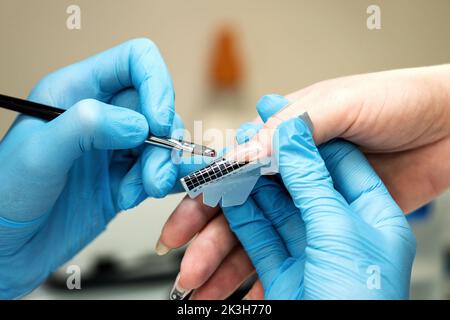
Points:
[(286, 45)]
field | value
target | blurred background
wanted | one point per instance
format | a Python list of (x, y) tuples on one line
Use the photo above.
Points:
[(223, 55)]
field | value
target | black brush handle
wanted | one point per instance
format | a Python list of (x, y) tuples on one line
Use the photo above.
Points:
[(29, 108), (45, 112)]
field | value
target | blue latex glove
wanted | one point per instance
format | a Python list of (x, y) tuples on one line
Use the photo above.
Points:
[(332, 231), (60, 182)]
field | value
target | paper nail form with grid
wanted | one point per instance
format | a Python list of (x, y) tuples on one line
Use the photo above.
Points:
[(230, 182)]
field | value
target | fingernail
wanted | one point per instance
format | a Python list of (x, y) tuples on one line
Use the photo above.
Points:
[(161, 249), (247, 152), (177, 292)]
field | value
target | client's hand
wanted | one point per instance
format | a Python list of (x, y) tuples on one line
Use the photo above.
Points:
[(398, 117)]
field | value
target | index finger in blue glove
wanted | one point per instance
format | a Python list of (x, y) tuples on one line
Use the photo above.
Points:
[(259, 238), (358, 182), (278, 208), (307, 179), (271, 197), (154, 175), (136, 63)]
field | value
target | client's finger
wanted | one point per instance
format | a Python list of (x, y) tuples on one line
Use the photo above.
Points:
[(188, 218), (205, 254), (232, 272)]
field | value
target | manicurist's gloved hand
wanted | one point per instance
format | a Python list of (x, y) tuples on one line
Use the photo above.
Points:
[(61, 181), (334, 231)]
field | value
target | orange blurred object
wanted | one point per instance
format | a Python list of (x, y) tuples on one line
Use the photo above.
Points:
[(226, 66)]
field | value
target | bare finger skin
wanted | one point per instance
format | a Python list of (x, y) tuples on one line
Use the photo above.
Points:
[(206, 253), (232, 272), (188, 218)]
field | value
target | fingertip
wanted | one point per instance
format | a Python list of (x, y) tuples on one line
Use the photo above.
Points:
[(154, 84), (160, 128), (141, 127), (160, 186), (161, 249), (178, 292), (177, 129), (270, 104), (108, 126), (159, 172), (191, 271), (131, 191), (162, 112), (126, 128)]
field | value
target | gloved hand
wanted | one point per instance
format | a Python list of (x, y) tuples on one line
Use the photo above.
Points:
[(60, 182), (333, 233)]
